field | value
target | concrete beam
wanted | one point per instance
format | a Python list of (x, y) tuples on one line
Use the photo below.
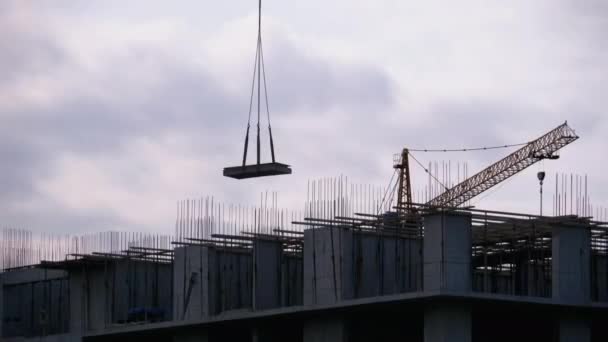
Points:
[(447, 323), (574, 329), (191, 336), (30, 275), (325, 330)]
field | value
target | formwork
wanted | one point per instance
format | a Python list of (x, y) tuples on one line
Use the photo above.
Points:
[(35, 302), (512, 253), (119, 288), (348, 258), (372, 255), (209, 280), (235, 272), (599, 263)]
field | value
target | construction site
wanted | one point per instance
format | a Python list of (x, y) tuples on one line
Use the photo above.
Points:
[(357, 263), (352, 262)]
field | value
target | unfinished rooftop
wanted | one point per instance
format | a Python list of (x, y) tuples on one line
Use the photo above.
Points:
[(268, 271)]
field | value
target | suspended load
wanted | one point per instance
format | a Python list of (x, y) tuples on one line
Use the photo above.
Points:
[(258, 169)]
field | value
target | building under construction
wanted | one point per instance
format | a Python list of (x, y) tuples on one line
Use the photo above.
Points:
[(353, 266)]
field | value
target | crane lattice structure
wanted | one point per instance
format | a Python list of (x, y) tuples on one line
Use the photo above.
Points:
[(539, 149), (404, 194)]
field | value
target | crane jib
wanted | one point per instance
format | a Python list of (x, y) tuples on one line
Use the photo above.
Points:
[(539, 149)]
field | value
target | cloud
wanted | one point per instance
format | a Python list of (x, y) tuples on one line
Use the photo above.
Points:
[(109, 124), (304, 83), (120, 134)]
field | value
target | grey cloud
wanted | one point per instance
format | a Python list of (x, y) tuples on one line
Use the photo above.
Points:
[(19, 167), (26, 47), (54, 218), (188, 101), (588, 9), (192, 103), (307, 83)]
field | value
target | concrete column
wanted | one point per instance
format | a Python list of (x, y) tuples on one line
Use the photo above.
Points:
[(267, 255), (190, 283), (78, 312), (447, 253), (325, 330), (571, 268), (96, 298), (327, 279), (447, 268), (571, 255), (447, 323), (292, 282), (328, 266)]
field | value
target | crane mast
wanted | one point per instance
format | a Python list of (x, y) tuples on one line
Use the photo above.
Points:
[(541, 148), (401, 164)]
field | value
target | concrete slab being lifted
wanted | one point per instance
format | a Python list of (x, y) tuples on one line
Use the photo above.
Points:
[(257, 170)]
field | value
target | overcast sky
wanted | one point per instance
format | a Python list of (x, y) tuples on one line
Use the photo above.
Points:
[(111, 111)]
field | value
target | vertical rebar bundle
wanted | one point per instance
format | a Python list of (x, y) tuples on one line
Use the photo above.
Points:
[(572, 197), (20, 248), (206, 219)]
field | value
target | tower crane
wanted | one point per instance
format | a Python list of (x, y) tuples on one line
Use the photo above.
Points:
[(543, 147)]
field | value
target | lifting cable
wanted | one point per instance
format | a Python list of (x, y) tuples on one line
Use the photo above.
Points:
[(255, 68), (427, 171), (267, 105), (483, 148), (259, 70), (386, 192)]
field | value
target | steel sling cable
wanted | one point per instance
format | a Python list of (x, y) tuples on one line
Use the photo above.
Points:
[(266, 98), (427, 171), (384, 197), (259, 67), (483, 148), (255, 69)]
